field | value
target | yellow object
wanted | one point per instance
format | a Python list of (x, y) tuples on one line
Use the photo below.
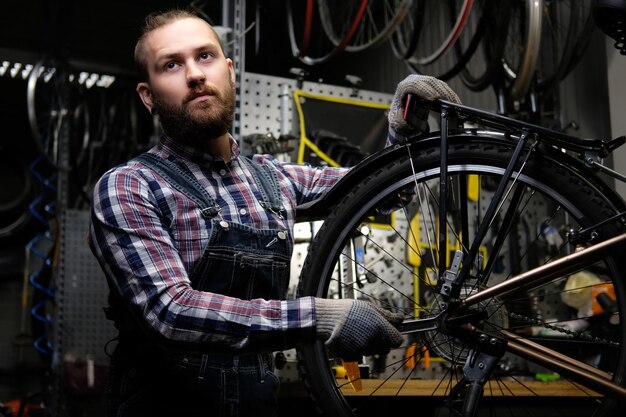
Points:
[(426, 357), (414, 257), (410, 356), (339, 372), (299, 97), (354, 375), (578, 289), (473, 186)]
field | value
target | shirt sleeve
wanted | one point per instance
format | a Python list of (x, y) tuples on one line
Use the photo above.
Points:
[(394, 137), (312, 182), (129, 236), (307, 182)]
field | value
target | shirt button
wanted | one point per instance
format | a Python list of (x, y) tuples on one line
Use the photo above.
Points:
[(222, 172), (242, 211)]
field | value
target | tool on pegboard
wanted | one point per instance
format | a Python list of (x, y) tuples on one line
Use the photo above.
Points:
[(40, 255)]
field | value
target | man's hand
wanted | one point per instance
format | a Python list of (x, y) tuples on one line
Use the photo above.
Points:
[(426, 88), (355, 328)]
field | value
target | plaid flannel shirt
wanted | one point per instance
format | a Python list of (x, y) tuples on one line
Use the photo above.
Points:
[(147, 236)]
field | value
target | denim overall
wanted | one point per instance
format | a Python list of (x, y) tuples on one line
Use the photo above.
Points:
[(239, 261)]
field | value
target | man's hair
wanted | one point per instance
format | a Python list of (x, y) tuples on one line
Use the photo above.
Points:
[(154, 21)]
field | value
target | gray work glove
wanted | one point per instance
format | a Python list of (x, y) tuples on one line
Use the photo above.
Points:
[(426, 88), (355, 328)]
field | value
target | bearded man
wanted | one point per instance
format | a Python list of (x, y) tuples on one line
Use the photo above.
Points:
[(195, 241)]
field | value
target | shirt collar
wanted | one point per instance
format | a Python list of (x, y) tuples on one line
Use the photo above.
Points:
[(192, 154)]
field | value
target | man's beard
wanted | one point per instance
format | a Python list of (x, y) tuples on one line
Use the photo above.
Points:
[(205, 121)]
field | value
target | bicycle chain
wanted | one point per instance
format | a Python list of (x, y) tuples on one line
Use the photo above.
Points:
[(580, 335)]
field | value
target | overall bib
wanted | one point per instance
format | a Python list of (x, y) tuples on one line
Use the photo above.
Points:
[(239, 261)]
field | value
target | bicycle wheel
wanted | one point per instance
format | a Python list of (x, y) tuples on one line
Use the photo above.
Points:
[(396, 257), (46, 108), (438, 35), (469, 58), (376, 25), (566, 30), (316, 48), (485, 47), (405, 37), (523, 46)]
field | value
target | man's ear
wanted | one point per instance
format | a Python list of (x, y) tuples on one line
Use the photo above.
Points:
[(145, 94), (231, 69)]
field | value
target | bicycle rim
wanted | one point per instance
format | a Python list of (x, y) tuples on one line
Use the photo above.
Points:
[(565, 34), (405, 37), (522, 47), (391, 257), (45, 108), (316, 49), (486, 46), (438, 34), (377, 24), (466, 54)]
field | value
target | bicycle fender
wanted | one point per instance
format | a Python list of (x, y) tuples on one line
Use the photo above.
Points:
[(320, 208)]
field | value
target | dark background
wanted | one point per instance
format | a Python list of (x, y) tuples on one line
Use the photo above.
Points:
[(100, 35)]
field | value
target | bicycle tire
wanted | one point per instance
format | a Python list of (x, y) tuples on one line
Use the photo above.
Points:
[(558, 40), (480, 70), (465, 48), (376, 26), (584, 37), (46, 108), (564, 188), (406, 36), (329, 51), (303, 48), (564, 29), (442, 46), (520, 64)]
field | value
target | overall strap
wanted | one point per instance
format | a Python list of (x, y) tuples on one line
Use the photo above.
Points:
[(267, 182), (182, 181)]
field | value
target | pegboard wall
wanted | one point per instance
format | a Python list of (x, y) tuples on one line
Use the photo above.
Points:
[(81, 294), (267, 101)]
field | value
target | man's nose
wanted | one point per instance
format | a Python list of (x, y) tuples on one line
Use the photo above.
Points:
[(194, 73)]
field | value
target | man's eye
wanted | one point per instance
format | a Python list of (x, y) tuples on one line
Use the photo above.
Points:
[(171, 65), (205, 56)]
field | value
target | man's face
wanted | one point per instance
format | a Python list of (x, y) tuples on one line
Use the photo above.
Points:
[(191, 82)]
